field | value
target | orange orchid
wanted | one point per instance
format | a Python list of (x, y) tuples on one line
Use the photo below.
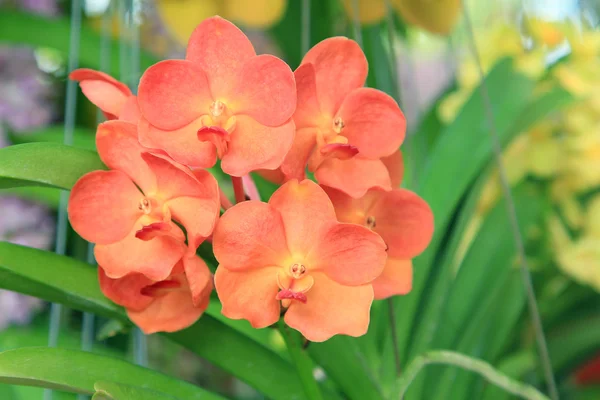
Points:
[(222, 101), (167, 305), (128, 210), (342, 129), (292, 252), (402, 219), (108, 94)]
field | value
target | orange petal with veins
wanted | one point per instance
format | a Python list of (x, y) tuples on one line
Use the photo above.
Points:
[(294, 165), (253, 146), (405, 222), (349, 254), (153, 258), (170, 313), (199, 279), (103, 206), (221, 49), (250, 235), (354, 176), (126, 291), (104, 91), (306, 211), (396, 279), (331, 309), (118, 147), (181, 144), (308, 111), (249, 295), (373, 122), (173, 93), (266, 91), (340, 66), (395, 167)]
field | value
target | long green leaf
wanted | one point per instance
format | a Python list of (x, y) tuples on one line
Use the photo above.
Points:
[(38, 31), (118, 391), (54, 278), (82, 137), (343, 361), (77, 371), (73, 283), (462, 150), (45, 164), (470, 311)]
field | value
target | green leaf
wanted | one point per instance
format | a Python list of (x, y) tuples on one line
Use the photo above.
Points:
[(47, 195), (462, 150), (343, 361), (37, 31), (67, 281), (119, 391), (77, 371), (45, 164), (111, 328), (54, 278), (303, 363), (82, 138), (287, 33)]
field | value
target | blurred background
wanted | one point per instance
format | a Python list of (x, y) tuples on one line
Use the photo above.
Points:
[(542, 61)]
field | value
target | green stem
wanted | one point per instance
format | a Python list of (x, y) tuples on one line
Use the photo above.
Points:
[(471, 364), (304, 365)]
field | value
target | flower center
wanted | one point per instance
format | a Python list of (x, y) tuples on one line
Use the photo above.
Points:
[(216, 126), (297, 270), (370, 222), (217, 108), (294, 282), (338, 125), (145, 206)]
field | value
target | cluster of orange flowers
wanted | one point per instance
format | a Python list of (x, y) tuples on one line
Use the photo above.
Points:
[(320, 252)]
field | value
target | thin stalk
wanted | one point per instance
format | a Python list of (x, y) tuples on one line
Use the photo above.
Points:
[(305, 39), (392, 318), (512, 214), (238, 189), (302, 362), (226, 204), (471, 364), (356, 22)]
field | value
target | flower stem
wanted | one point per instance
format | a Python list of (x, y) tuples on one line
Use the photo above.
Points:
[(304, 365), (394, 333), (472, 364), (226, 204), (238, 189)]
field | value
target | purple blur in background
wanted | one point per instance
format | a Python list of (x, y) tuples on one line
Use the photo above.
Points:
[(25, 103)]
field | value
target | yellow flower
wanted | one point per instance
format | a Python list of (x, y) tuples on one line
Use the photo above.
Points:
[(592, 220), (581, 261), (369, 11), (182, 16), (545, 32), (436, 16)]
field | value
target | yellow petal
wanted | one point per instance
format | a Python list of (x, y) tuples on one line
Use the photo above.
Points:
[(545, 157), (259, 14), (436, 16), (369, 11), (545, 32), (581, 261), (182, 16)]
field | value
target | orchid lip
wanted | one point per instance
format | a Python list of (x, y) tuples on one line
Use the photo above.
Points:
[(287, 294), (153, 230)]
